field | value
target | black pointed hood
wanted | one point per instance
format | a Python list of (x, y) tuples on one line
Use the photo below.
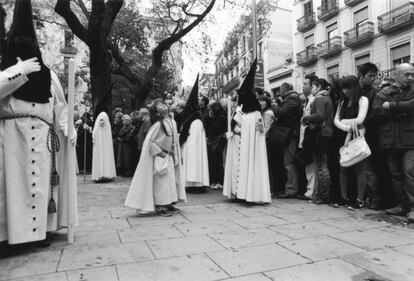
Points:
[(191, 112), (192, 101), (2, 29), (247, 97), (22, 42)]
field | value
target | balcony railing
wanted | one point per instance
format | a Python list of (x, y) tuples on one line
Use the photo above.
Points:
[(307, 57), (328, 10), (359, 34), (353, 2), (306, 22), (330, 47), (232, 84), (397, 18)]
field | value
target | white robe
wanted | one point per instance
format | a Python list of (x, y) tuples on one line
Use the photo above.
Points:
[(141, 191), (103, 162), (250, 179), (195, 160), (25, 168)]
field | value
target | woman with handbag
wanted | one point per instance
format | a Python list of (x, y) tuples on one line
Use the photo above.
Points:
[(349, 118), (158, 182)]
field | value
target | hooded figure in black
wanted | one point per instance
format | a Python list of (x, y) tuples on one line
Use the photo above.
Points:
[(22, 42), (194, 146), (246, 173), (33, 144)]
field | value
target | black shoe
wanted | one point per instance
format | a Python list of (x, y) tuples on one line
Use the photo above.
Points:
[(43, 243), (397, 211), (374, 206), (303, 197), (319, 201), (358, 205), (163, 212), (285, 196), (341, 203), (173, 209), (410, 216)]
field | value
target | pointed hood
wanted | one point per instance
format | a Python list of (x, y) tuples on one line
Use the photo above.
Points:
[(22, 42), (247, 97), (192, 101), (191, 113), (2, 28)]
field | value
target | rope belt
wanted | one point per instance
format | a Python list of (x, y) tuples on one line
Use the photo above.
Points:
[(53, 145)]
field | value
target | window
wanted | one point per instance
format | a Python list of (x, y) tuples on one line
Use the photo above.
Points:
[(259, 51), (333, 72), (397, 3), (361, 60), (332, 31), (309, 41), (400, 54), (308, 8), (361, 16)]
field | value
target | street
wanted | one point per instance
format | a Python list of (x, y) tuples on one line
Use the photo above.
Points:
[(214, 239)]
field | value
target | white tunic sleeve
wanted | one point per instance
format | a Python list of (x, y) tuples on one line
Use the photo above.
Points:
[(60, 106), (11, 79)]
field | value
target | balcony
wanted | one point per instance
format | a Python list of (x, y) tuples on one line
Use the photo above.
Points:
[(352, 3), (306, 22), (307, 57), (359, 35), (328, 10), (330, 47), (400, 17), (231, 85)]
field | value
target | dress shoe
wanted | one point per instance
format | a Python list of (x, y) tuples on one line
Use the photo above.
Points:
[(303, 197), (397, 211), (285, 196)]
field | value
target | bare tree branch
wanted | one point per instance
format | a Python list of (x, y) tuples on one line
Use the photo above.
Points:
[(63, 9), (112, 8), (83, 8)]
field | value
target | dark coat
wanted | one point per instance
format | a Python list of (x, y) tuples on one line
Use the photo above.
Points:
[(289, 112), (322, 113), (396, 125)]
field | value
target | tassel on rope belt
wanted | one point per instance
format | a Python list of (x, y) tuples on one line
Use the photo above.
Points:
[(53, 145)]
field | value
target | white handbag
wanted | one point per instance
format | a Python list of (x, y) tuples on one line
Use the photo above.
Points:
[(160, 165), (355, 148)]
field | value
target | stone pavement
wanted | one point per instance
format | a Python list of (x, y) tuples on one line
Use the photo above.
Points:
[(214, 239)]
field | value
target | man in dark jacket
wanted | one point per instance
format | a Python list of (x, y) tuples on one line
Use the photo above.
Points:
[(394, 111), (321, 117), (366, 75), (288, 114)]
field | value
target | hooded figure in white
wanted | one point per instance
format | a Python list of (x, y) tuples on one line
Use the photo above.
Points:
[(103, 162), (194, 146), (246, 173)]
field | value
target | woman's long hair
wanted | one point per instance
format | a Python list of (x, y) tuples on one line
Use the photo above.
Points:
[(268, 102), (350, 105)]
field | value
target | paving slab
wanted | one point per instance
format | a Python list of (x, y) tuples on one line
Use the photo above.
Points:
[(388, 263), (29, 264), (142, 233), (176, 247), (372, 239), (59, 276), (248, 238), (255, 259), (251, 277), (98, 224), (328, 270), (320, 248), (106, 255), (400, 231), (93, 274), (188, 268), (259, 222), (85, 217), (85, 238), (305, 230), (353, 224), (156, 220), (214, 216), (408, 250), (208, 227)]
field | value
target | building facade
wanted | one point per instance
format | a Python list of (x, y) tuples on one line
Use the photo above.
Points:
[(333, 37), (274, 51)]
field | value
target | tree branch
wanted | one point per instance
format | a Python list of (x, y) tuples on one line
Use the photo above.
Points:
[(63, 9), (83, 8), (112, 8)]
